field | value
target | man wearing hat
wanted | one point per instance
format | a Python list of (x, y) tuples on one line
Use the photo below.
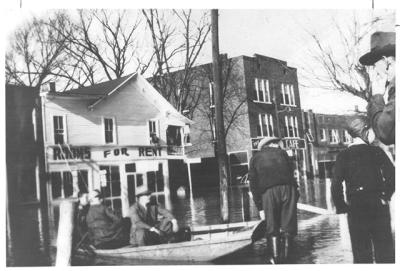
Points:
[(275, 194), (106, 228), (369, 177), (381, 114), (150, 224)]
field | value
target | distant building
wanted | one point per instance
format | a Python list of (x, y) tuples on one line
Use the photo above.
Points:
[(326, 137), (117, 136), (23, 144), (261, 99)]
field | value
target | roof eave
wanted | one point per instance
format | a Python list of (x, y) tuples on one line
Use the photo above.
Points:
[(104, 97)]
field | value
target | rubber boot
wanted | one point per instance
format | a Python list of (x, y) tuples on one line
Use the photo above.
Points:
[(273, 245), (286, 245)]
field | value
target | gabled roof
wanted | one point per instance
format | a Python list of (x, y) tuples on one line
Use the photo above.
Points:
[(99, 89), (100, 92)]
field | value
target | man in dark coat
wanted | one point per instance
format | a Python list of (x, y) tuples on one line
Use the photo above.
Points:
[(106, 228), (150, 224), (275, 194), (369, 177), (381, 114)]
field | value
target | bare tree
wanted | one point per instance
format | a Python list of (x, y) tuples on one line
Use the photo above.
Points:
[(36, 54), (104, 44), (340, 67), (177, 46), (234, 99)]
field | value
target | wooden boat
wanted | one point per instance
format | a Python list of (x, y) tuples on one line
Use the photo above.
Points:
[(208, 243)]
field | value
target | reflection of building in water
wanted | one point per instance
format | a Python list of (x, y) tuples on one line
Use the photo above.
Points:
[(326, 137), (118, 136), (23, 140)]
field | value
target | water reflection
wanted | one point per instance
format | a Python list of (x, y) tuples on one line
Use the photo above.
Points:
[(31, 231)]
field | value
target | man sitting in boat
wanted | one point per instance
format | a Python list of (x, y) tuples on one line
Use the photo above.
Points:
[(150, 224), (106, 229)]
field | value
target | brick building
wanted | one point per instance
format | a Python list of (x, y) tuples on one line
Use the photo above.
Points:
[(326, 137), (261, 98)]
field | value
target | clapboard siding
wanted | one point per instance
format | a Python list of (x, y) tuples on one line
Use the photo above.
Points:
[(129, 107)]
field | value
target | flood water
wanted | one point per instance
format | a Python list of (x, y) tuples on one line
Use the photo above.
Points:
[(31, 235)]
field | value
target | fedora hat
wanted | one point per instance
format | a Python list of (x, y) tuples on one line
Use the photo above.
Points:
[(144, 193), (382, 44), (266, 141)]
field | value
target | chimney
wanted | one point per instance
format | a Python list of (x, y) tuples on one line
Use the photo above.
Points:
[(356, 108), (52, 87)]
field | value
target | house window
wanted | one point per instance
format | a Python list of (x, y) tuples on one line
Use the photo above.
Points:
[(262, 90), (291, 126), (287, 94), (111, 190), (265, 126), (61, 184), (155, 180), (333, 136), (322, 134), (59, 131), (109, 130), (83, 181), (153, 131)]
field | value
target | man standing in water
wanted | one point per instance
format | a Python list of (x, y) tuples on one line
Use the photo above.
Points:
[(275, 194)]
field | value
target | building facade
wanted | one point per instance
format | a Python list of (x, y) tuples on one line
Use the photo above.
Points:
[(326, 137), (261, 99), (117, 136)]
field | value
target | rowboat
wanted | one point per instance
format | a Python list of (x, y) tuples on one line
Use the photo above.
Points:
[(208, 243)]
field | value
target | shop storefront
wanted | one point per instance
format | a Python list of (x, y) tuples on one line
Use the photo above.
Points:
[(119, 144), (120, 173)]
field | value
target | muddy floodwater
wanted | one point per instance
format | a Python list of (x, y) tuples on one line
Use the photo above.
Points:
[(31, 231)]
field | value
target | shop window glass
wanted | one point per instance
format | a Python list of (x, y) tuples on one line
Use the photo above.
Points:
[(67, 184), (56, 184), (160, 178), (130, 167), (139, 181), (151, 181), (83, 181)]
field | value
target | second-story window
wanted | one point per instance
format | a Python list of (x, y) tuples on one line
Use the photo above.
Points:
[(291, 126), (262, 90), (59, 129), (153, 131), (265, 126), (109, 130), (333, 136), (287, 94), (322, 135)]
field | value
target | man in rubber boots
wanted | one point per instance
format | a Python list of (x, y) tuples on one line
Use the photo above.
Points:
[(275, 193)]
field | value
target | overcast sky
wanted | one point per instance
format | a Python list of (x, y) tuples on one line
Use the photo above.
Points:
[(276, 33)]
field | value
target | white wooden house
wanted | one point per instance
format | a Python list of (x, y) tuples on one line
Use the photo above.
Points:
[(116, 136)]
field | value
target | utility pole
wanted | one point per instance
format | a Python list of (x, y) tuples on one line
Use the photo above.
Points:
[(220, 133)]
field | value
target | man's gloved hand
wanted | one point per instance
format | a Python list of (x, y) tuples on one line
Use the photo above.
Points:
[(375, 104)]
